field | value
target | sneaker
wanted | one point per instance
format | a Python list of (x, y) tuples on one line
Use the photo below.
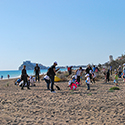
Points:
[(22, 88), (53, 92), (28, 88)]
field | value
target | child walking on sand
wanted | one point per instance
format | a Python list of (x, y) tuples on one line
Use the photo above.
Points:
[(32, 81), (116, 79)]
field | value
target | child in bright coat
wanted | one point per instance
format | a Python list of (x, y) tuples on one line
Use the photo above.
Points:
[(73, 83)]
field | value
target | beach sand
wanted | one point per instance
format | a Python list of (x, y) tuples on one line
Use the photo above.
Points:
[(39, 106)]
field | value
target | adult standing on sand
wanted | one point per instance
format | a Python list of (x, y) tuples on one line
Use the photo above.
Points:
[(111, 70), (37, 71), (119, 71), (78, 74), (89, 71), (24, 77), (70, 70), (1, 76), (94, 68), (107, 76), (51, 73), (8, 76)]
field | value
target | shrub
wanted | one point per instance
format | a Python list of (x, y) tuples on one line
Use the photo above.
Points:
[(114, 88), (90, 94)]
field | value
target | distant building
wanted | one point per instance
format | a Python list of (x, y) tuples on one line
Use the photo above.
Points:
[(110, 58)]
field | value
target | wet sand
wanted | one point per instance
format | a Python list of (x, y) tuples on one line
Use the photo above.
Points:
[(39, 106)]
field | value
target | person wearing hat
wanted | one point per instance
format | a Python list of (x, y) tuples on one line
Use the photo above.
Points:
[(51, 73)]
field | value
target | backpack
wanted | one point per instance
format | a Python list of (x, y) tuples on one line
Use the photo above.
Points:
[(50, 72)]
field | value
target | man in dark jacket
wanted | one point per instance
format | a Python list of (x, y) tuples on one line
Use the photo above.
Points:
[(51, 73), (24, 77), (37, 71), (88, 69)]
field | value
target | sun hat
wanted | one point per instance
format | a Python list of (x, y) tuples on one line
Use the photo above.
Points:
[(74, 77), (86, 75)]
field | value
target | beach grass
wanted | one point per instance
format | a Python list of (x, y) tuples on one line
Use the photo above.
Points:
[(114, 88)]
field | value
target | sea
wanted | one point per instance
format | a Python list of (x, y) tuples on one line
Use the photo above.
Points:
[(17, 73)]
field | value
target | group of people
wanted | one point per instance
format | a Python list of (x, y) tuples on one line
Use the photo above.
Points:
[(30, 82), (90, 77), (75, 81), (119, 73), (24, 77), (8, 76), (49, 78)]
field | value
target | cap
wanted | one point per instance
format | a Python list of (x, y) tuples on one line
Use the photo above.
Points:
[(55, 63), (86, 75), (74, 77)]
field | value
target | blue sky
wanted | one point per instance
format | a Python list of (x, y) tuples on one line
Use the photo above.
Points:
[(72, 32)]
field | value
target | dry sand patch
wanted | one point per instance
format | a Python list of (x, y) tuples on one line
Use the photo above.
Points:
[(40, 106)]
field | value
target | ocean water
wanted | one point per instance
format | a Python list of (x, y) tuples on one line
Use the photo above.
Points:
[(17, 73)]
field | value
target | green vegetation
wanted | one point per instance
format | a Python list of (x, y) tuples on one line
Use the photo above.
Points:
[(114, 88), (90, 94), (111, 90), (7, 84), (116, 63)]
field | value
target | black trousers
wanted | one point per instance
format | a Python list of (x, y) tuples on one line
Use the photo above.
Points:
[(25, 81), (78, 79), (93, 80)]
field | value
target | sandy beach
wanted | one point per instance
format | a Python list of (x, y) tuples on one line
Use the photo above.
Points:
[(39, 106)]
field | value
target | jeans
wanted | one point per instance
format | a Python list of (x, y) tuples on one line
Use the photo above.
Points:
[(52, 82), (37, 77), (88, 87), (48, 82)]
